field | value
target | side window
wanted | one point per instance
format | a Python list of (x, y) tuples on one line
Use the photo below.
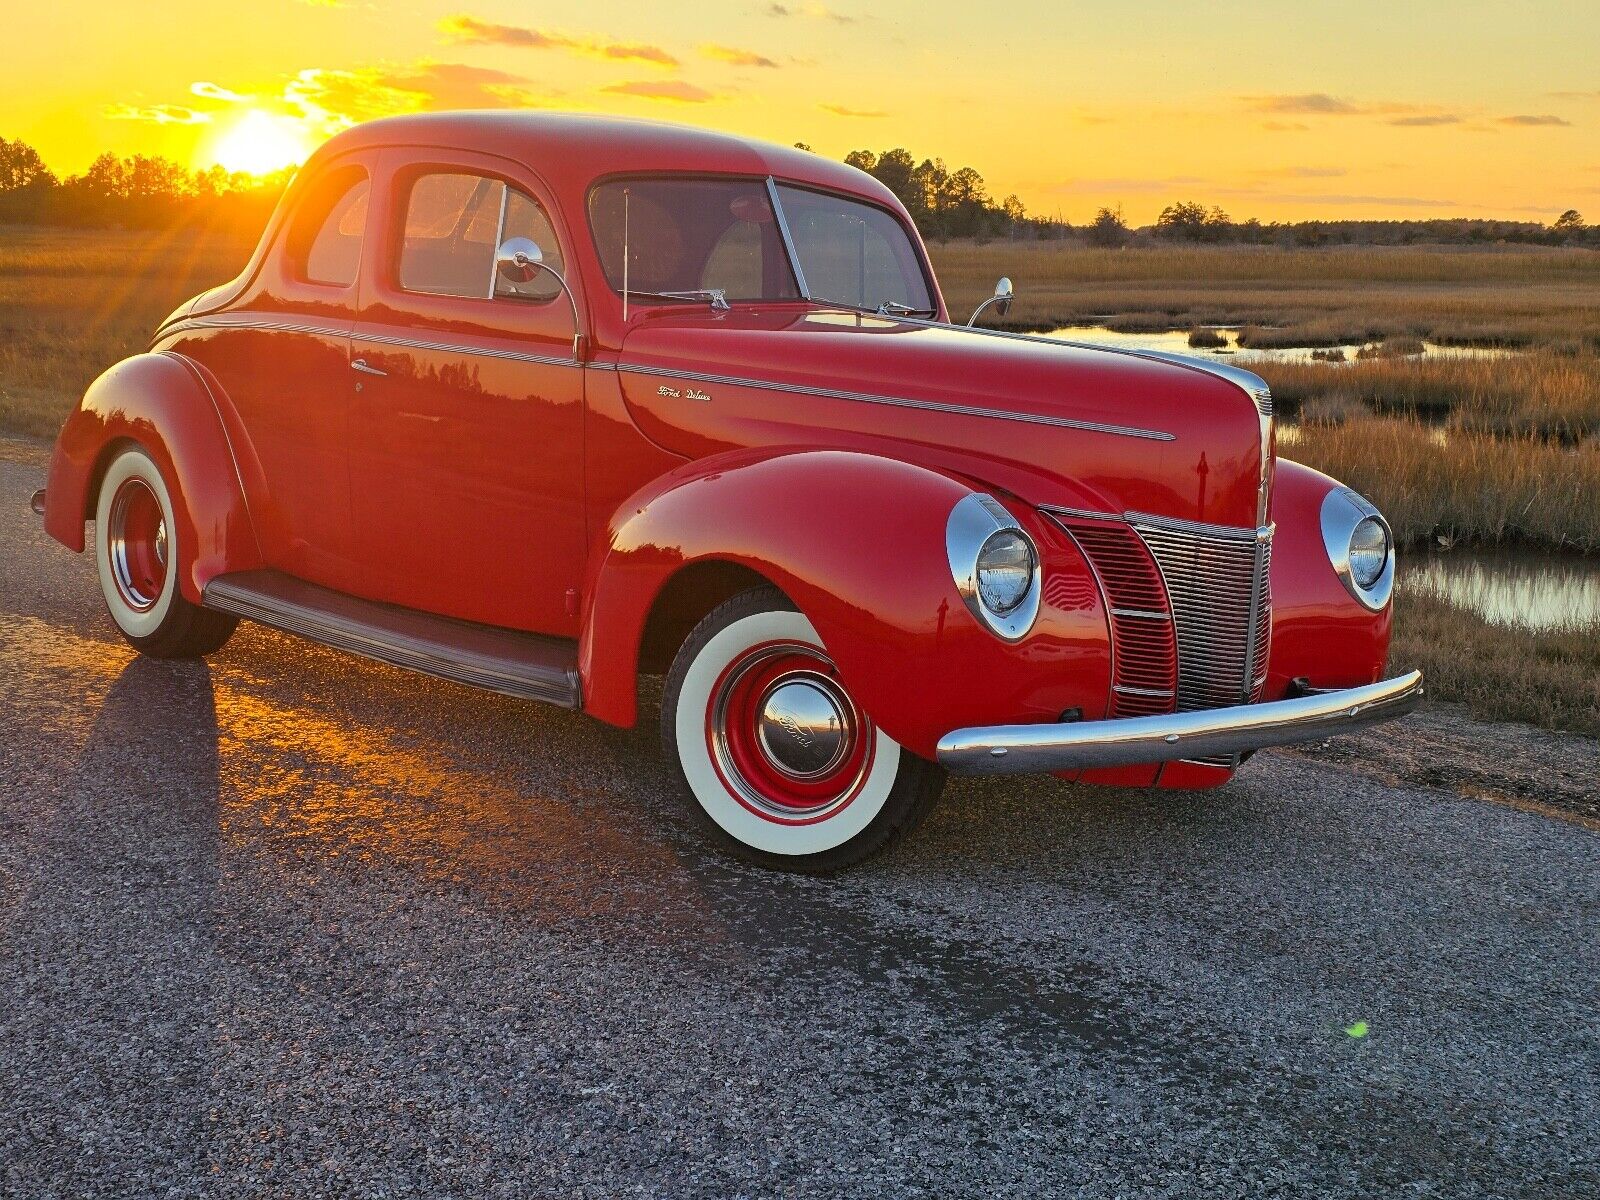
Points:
[(454, 224), (325, 237)]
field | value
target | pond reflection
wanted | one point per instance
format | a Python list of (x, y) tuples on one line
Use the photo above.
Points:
[(1508, 586), (1176, 341)]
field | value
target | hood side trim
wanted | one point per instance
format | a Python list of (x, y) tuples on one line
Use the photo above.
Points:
[(966, 410)]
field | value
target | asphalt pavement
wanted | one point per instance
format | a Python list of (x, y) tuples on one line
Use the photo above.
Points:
[(290, 923)]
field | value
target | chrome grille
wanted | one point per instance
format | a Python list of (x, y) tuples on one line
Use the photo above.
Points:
[(1263, 398), (1143, 653), (1217, 583)]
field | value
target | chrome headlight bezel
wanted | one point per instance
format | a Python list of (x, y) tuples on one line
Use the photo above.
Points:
[(1343, 511), (975, 519)]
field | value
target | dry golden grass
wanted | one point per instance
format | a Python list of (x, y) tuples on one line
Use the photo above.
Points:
[(1546, 678), (1461, 486), (1510, 296), (1539, 393), (72, 302)]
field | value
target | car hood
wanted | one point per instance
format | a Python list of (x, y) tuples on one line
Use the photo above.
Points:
[(1056, 423)]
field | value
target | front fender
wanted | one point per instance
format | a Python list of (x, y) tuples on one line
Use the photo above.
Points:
[(1320, 632), (857, 542), (162, 402)]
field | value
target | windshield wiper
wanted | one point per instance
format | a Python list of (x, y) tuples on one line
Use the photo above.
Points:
[(885, 308), (716, 297)]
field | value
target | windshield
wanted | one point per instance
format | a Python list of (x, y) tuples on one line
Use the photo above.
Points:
[(688, 237), (853, 253)]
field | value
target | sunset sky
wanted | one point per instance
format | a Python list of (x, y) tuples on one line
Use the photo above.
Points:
[(1353, 109)]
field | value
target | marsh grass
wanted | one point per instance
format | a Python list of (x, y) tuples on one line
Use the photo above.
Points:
[(1545, 393), (73, 302), (1488, 296), (1463, 487), (1549, 678)]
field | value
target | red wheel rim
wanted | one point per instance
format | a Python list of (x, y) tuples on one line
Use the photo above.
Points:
[(136, 544), (785, 737)]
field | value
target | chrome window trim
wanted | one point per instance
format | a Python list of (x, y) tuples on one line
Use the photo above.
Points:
[(789, 247), (499, 240), (966, 410), (974, 519), (1342, 510)]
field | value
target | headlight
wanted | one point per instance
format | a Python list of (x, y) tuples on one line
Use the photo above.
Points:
[(995, 565), (1369, 552), (1359, 546), (1005, 571)]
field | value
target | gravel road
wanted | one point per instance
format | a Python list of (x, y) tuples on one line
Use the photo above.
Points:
[(295, 924)]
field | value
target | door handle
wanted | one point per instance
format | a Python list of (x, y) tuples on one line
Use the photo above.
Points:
[(360, 364)]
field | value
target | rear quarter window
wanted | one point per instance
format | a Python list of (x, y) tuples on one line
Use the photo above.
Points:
[(325, 235)]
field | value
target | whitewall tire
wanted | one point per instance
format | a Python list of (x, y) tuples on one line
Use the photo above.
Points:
[(782, 764), (138, 556)]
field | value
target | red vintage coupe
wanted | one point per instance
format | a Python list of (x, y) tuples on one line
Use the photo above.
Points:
[(542, 403)]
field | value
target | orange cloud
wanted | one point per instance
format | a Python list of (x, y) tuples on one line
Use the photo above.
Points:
[(463, 28), (739, 58), (840, 110), (334, 99), (158, 114), (211, 91), (1312, 103), (1542, 119), (674, 90), (470, 30), (1426, 120), (650, 54)]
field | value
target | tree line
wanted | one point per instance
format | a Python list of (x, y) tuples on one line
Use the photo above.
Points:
[(950, 204), (1193, 222), (137, 192), (148, 191)]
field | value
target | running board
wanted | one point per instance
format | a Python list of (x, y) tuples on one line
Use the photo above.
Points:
[(525, 665)]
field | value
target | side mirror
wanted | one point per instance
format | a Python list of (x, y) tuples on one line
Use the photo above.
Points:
[(1004, 293), (519, 259)]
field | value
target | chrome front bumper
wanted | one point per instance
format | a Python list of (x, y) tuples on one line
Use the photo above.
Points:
[(1018, 749)]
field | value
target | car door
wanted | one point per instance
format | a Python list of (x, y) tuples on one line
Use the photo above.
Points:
[(467, 426), (281, 358)]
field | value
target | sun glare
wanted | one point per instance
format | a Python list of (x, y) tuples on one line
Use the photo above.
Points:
[(258, 144)]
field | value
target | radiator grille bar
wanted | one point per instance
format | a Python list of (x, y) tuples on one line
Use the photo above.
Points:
[(1190, 609)]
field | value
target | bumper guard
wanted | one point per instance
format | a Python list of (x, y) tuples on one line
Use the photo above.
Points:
[(1019, 749)]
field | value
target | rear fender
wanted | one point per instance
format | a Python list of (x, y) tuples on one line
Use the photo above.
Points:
[(164, 403), (857, 542)]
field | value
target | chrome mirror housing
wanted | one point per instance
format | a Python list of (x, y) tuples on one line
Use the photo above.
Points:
[(1004, 293), (519, 259)]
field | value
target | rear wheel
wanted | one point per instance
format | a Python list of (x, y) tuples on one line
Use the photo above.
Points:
[(137, 555), (783, 764)]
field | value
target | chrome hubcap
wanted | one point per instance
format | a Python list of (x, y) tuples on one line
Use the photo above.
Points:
[(803, 728), (136, 544)]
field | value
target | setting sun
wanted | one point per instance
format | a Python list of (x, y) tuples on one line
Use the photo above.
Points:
[(258, 144)]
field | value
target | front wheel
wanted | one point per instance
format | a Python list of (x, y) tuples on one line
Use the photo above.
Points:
[(137, 554), (784, 766)]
